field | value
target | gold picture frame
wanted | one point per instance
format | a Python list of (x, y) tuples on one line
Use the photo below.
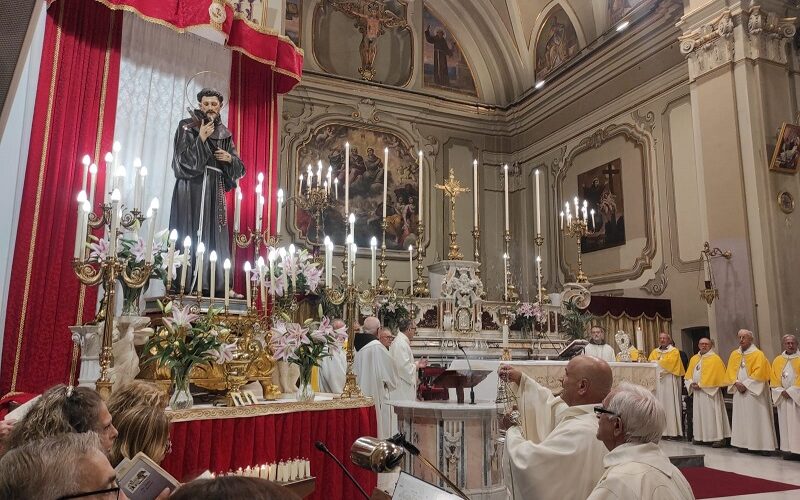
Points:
[(786, 202), (786, 155)]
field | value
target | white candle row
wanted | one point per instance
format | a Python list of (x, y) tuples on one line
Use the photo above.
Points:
[(281, 472)]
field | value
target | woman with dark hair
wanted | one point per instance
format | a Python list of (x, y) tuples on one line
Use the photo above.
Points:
[(63, 409), (233, 487)]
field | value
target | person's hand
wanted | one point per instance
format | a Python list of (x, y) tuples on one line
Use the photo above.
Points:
[(694, 386), (509, 373), (5, 428), (164, 494), (510, 420), (740, 387), (222, 155), (422, 363), (785, 394), (206, 129)]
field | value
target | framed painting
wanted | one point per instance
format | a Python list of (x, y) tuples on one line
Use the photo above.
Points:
[(444, 64), (786, 155), (617, 9), (292, 20), (601, 187), (327, 144), (556, 43)]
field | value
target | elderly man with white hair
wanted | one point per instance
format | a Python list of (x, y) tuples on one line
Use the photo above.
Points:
[(786, 395), (749, 374), (376, 376), (630, 423)]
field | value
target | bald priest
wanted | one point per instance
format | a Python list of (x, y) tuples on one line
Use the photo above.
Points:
[(705, 377)]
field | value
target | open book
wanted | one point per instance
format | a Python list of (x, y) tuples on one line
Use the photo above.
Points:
[(142, 479)]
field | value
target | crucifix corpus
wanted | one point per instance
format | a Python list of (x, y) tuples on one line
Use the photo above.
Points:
[(452, 188), (372, 19)]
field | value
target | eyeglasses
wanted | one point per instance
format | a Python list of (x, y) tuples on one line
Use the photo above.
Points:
[(599, 410), (108, 492)]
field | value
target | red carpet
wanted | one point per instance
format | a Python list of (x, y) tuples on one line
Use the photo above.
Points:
[(711, 483)]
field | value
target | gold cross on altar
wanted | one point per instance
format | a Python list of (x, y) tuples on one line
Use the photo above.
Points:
[(453, 188)]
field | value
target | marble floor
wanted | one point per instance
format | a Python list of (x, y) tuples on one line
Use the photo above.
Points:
[(729, 459)]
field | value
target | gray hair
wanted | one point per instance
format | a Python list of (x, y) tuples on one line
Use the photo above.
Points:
[(641, 413), (46, 469), (403, 324), (371, 325)]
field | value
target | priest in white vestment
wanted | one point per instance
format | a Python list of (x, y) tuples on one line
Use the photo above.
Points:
[(786, 395), (404, 362), (597, 345), (376, 376), (668, 390), (552, 452), (750, 371), (705, 378), (333, 368), (630, 424)]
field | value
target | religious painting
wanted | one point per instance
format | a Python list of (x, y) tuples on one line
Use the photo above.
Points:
[(786, 202), (444, 64), (556, 43), (601, 187), (617, 9), (293, 19), (786, 155), (327, 145), (253, 10)]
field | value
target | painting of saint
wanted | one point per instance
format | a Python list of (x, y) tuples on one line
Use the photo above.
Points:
[(786, 155), (327, 144), (601, 187), (556, 44), (617, 9), (292, 19), (444, 63)]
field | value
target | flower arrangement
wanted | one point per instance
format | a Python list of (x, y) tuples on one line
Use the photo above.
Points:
[(294, 272), (391, 311), (575, 321), (185, 341), (528, 315), (131, 249), (305, 346)]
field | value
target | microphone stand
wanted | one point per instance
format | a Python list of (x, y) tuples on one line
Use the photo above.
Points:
[(324, 449), (469, 365)]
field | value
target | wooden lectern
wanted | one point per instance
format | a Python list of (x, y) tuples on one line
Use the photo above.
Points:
[(461, 379)]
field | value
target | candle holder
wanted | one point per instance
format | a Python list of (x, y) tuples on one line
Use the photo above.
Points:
[(314, 201), (383, 287), (709, 292), (511, 290), (577, 228), (352, 297), (420, 284), (131, 219), (542, 291), (256, 239), (476, 243)]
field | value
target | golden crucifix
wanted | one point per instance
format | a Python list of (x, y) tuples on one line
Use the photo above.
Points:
[(453, 188)]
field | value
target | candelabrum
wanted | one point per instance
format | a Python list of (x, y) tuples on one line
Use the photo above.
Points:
[(314, 201), (542, 298), (511, 290), (577, 228), (420, 284), (352, 297), (476, 254), (107, 272), (383, 281)]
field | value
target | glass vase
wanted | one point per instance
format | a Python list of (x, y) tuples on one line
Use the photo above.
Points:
[(305, 392), (181, 395)]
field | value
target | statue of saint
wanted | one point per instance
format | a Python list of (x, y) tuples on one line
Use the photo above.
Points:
[(206, 166)]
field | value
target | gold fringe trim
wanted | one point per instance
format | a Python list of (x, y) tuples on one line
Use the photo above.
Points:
[(266, 409)]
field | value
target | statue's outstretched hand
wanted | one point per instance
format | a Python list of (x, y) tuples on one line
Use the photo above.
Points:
[(206, 129), (222, 155)]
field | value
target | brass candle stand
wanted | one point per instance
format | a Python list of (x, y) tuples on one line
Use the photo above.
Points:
[(383, 287), (511, 293), (315, 201), (256, 239), (421, 284), (352, 297), (577, 228), (543, 298)]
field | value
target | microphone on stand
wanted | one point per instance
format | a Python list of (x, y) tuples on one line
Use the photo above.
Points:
[(324, 449), (469, 365)]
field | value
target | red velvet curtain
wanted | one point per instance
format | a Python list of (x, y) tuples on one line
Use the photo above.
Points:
[(253, 120), (222, 445), (73, 115)]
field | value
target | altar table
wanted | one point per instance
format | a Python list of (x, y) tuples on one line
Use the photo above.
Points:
[(224, 439)]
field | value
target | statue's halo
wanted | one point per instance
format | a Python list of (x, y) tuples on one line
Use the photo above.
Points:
[(207, 79)]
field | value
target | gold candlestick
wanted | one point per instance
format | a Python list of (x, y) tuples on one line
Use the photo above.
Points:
[(543, 297), (452, 188), (577, 228), (420, 284), (511, 294), (383, 287)]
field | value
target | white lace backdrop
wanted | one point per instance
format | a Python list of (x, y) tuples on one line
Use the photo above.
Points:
[(156, 64)]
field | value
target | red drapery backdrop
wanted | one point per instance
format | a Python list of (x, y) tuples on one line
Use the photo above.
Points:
[(221, 445), (73, 115)]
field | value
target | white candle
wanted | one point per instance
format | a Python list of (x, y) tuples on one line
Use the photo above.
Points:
[(348, 242), (173, 237), (309, 177), (79, 234), (319, 173), (151, 216), (262, 280), (639, 339), (475, 193), (294, 271), (271, 256), (119, 178), (87, 209), (137, 165), (212, 260), (109, 160), (373, 246), (354, 252), (538, 207), (385, 177), (142, 186), (187, 247), (593, 226), (328, 177), (539, 277), (505, 191), (201, 250), (577, 214), (562, 219), (227, 267), (419, 207), (247, 281), (280, 210), (112, 237), (585, 213), (411, 268), (327, 244), (259, 209), (85, 161), (336, 188), (92, 183), (352, 220), (347, 177), (505, 276), (237, 210), (300, 188)]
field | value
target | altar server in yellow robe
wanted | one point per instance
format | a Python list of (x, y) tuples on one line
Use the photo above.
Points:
[(705, 376), (552, 452), (749, 372), (786, 395), (668, 390)]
